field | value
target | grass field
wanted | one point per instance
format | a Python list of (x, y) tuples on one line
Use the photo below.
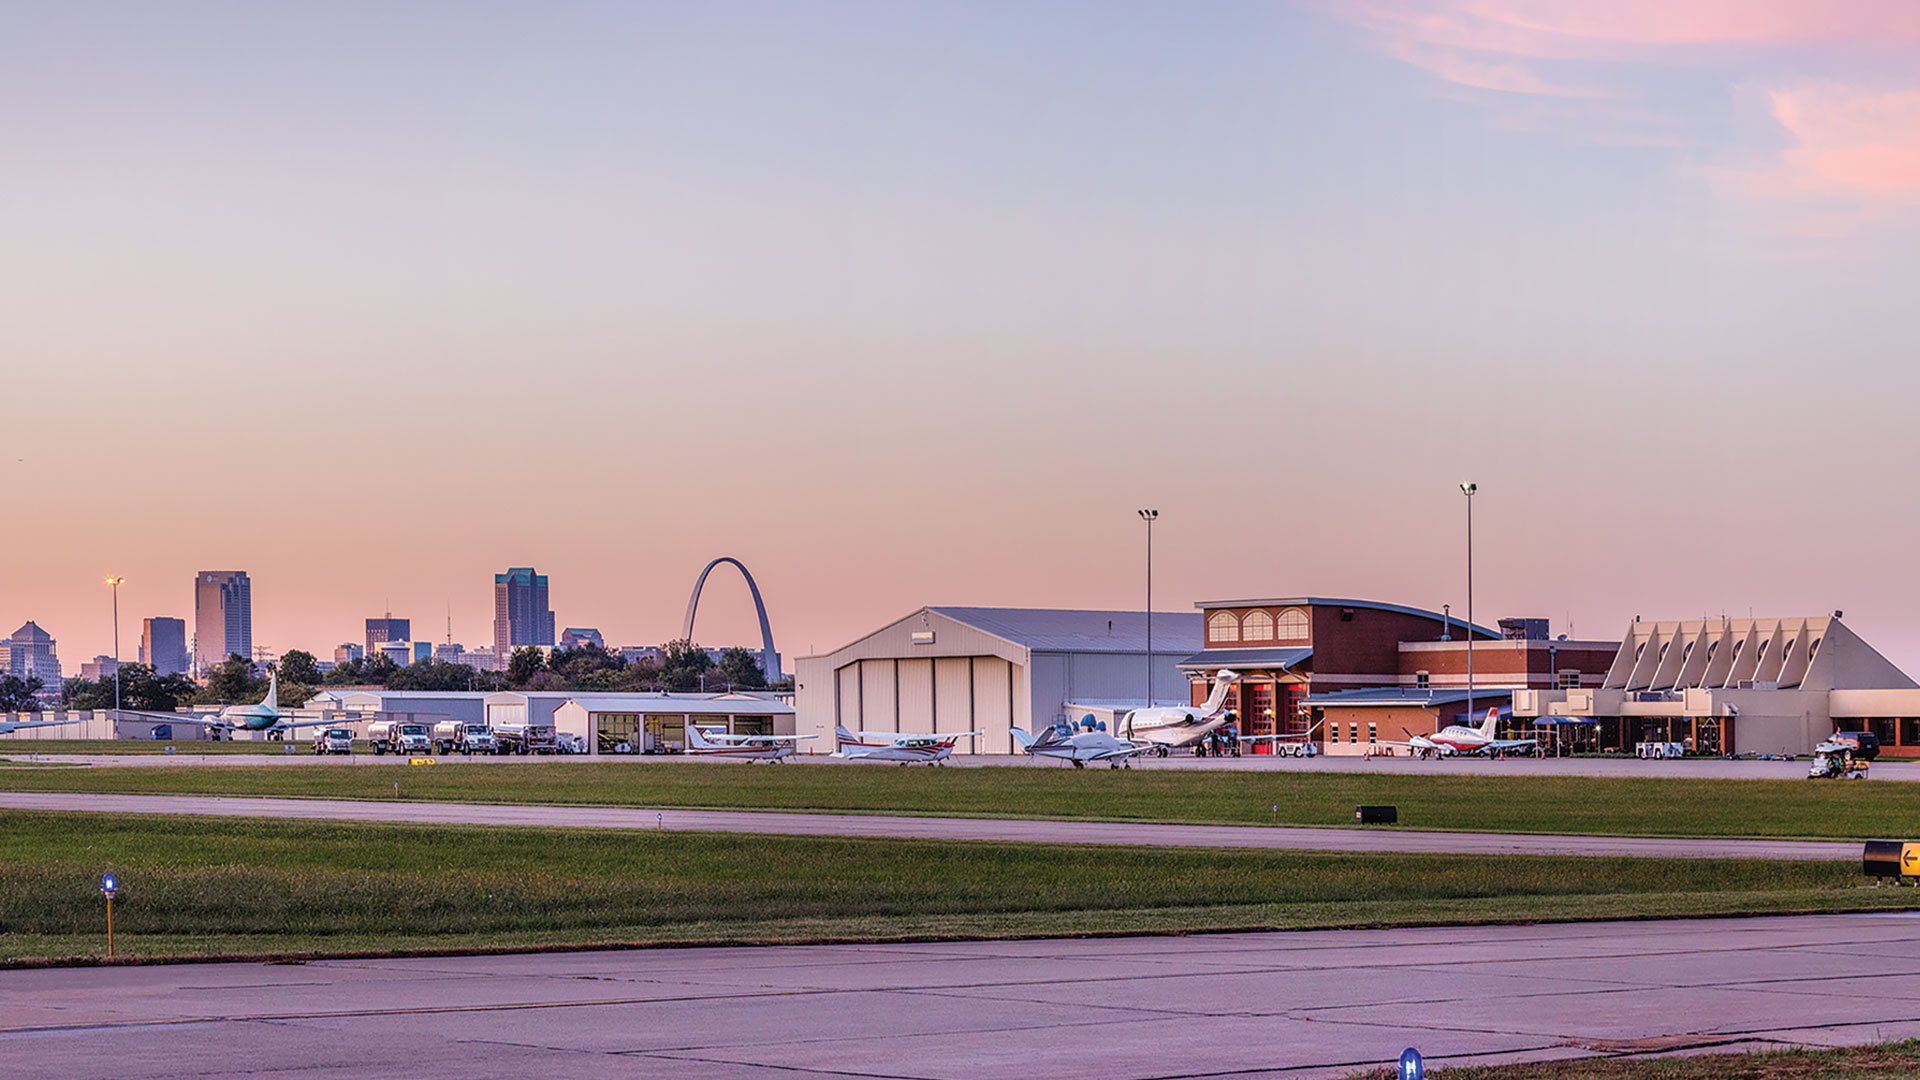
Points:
[(1650, 806), (1887, 1061), (215, 887)]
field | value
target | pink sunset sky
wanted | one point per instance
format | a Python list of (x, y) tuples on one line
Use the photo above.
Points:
[(910, 304)]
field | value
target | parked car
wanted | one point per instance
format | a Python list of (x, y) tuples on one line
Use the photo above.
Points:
[(569, 743), (1866, 745), (337, 740)]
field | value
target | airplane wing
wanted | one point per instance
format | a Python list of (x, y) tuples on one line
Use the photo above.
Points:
[(1512, 744), (173, 718), (24, 724), (290, 724), (1126, 751)]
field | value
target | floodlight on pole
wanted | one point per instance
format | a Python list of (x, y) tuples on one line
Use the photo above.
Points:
[(1149, 516), (116, 583), (1468, 488)]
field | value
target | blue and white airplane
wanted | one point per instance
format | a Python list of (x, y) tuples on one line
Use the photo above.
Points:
[(1081, 746)]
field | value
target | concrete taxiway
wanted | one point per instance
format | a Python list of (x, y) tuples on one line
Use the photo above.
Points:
[(1280, 1005), (1018, 831)]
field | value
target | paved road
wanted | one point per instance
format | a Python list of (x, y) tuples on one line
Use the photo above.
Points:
[(1287, 1005), (1702, 769), (1071, 832)]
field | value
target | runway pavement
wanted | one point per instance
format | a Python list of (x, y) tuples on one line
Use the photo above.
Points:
[(1692, 768), (1065, 832), (1281, 1005)]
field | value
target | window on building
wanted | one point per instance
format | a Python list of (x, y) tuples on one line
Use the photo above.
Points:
[(1813, 648), (1373, 731), (1422, 680), (1353, 731), (1566, 679), (1222, 627), (1293, 625), (1257, 626), (1333, 732)]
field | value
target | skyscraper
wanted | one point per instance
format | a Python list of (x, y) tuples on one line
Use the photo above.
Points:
[(31, 652), (380, 631), (520, 612), (163, 645), (222, 617)]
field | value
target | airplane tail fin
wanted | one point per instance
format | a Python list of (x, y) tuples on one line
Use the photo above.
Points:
[(1493, 719), (1222, 683), (841, 738), (697, 739), (273, 689), (1022, 739)]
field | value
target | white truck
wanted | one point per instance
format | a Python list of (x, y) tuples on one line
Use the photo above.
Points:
[(333, 740), (451, 735), (399, 737), (523, 738)]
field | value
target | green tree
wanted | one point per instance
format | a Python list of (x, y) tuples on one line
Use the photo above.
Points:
[(682, 666), (440, 675), (742, 668), (347, 673), (18, 694), (299, 666), (524, 664), (233, 683)]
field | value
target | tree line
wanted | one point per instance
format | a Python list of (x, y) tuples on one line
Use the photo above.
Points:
[(682, 668)]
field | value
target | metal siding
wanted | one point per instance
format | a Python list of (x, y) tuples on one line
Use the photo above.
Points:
[(952, 695), (1049, 689), (916, 695), (849, 685), (877, 696)]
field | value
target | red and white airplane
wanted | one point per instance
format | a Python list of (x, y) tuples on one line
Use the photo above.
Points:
[(1460, 739), (700, 741), (903, 747)]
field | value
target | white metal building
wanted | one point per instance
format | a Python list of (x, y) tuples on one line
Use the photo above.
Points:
[(657, 723), (991, 670)]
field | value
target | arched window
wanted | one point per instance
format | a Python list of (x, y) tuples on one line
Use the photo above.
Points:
[(1222, 627), (1293, 625), (1258, 626)]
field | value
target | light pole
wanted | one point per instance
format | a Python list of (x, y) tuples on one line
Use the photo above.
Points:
[(115, 582), (1149, 516), (1468, 489)]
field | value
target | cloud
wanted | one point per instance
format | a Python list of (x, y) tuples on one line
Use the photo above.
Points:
[(1609, 61)]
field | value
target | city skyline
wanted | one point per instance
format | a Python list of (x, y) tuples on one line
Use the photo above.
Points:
[(916, 305)]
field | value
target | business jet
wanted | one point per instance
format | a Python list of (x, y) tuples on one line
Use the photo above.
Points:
[(897, 746), (1167, 727), (1080, 747), (700, 741), (1459, 739), (266, 716)]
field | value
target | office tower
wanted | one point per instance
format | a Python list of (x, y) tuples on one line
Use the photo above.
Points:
[(163, 645), (222, 618), (381, 631), (30, 651), (576, 637), (347, 652), (520, 612)]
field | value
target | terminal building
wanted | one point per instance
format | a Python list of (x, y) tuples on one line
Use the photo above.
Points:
[(945, 669), (1349, 674), (1739, 686)]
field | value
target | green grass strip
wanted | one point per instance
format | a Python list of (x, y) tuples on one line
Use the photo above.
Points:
[(1653, 806)]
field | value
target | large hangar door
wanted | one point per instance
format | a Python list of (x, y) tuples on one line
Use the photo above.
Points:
[(993, 704), (847, 703), (877, 696), (952, 695), (916, 695)]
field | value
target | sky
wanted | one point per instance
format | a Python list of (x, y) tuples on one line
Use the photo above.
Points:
[(917, 303)]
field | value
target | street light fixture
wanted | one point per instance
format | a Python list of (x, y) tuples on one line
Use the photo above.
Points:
[(116, 582), (1149, 516), (1467, 489)]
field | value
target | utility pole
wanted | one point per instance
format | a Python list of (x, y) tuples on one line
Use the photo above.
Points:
[(1150, 516), (115, 582), (1468, 489)]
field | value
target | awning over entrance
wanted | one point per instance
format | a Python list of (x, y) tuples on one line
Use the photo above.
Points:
[(1211, 660), (1403, 697)]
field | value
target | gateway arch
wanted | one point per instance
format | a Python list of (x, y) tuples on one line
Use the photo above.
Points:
[(769, 659)]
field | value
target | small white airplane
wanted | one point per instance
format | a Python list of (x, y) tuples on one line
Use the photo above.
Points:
[(1460, 739), (265, 716), (907, 749), (1167, 727), (743, 747), (1080, 747)]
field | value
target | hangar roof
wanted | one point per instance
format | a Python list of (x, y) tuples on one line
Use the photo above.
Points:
[(1386, 696), (1055, 630), (708, 705), (1253, 658)]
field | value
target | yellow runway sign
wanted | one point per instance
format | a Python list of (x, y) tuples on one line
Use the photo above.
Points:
[(420, 761)]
